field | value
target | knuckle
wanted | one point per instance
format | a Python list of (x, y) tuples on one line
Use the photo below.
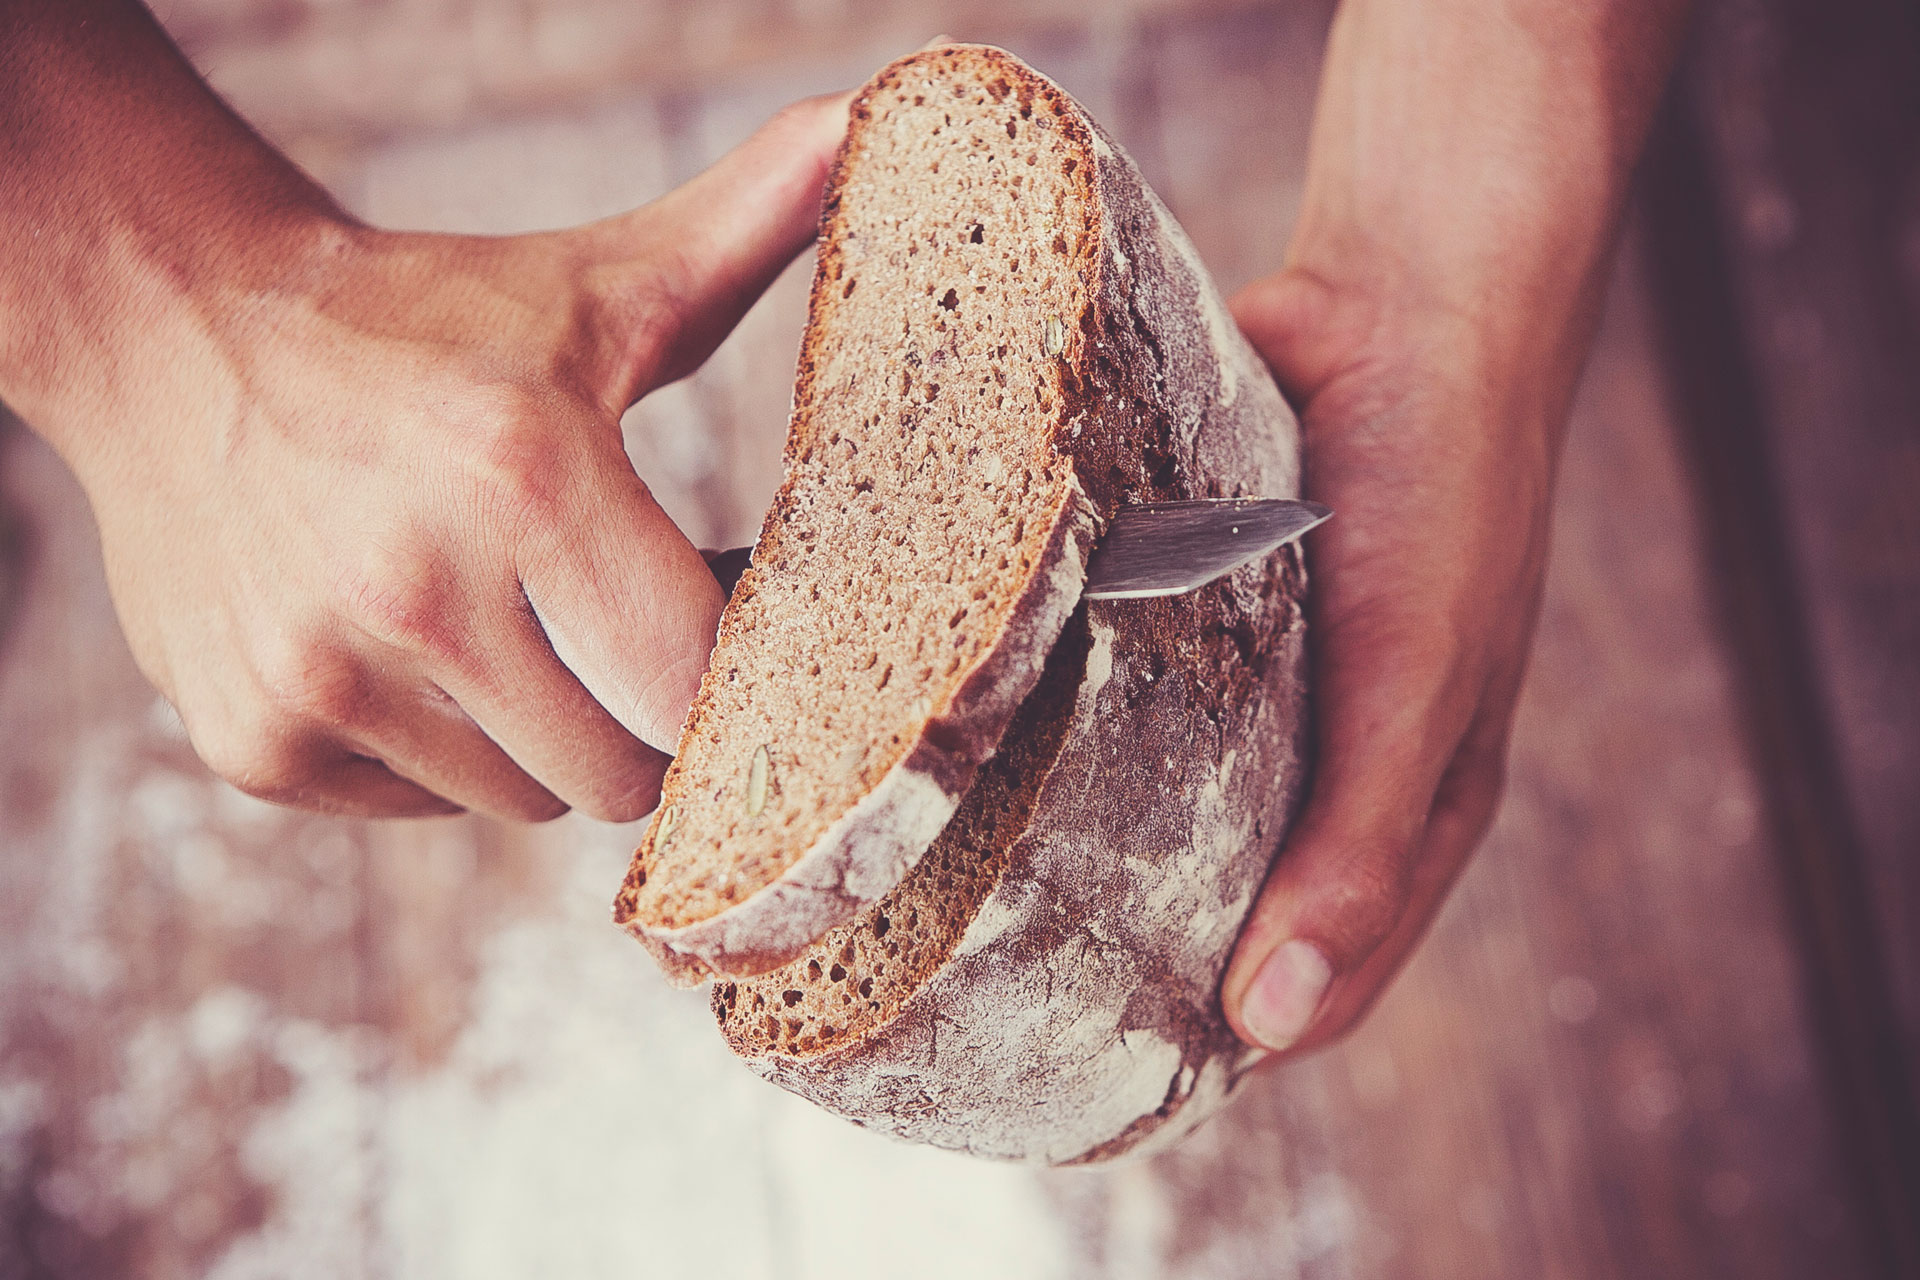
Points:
[(510, 448), (1370, 892), (259, 756), (310, 683), (405, 598)]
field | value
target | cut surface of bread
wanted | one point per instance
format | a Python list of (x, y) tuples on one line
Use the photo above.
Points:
[(927, 544)]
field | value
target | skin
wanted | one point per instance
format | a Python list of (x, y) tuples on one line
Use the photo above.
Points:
[(338, 471), (1468, 169)]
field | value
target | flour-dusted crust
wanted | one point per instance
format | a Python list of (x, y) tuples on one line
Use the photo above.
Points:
[(1078, 1016)]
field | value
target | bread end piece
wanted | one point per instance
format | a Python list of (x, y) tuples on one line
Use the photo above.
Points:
[(869, 849)]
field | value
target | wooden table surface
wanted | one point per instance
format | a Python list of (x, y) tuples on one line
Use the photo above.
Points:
[(237, 1041)]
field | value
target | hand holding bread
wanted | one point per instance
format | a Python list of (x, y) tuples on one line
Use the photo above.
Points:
[(1465, 185), (366, 513)]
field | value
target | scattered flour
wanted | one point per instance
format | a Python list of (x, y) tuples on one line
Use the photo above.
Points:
[(580, 1127)]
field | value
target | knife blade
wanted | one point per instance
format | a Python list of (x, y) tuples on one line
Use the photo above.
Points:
[(1171, 548), (1156, 548)]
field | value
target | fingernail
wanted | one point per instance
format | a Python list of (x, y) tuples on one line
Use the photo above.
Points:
[(1286, 993)]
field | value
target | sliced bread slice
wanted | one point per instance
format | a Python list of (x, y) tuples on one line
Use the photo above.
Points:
[(929, 539)]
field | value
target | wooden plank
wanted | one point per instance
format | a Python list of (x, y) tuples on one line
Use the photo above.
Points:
[(1810, 121), (1775, 190)]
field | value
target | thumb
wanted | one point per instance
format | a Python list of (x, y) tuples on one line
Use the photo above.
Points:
[(698, 257), (1334, 897), (1353, 890), (1395, 708)]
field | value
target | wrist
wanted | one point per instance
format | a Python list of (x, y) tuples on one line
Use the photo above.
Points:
[(140, 215), (145, 330), (1466, 164), (1327, 322), (1496, 341)]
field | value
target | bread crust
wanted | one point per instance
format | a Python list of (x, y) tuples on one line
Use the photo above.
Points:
[(1078, 1016)]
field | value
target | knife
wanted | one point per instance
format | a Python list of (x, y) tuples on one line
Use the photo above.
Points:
[(1156, 548)]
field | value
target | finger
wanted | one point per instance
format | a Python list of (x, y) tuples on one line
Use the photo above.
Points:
[(703, 253), (627, 602), (1464, 806), (1353, 891), (1468, 799), (323, 712), (1393, 709), (1305, 329), (423, 736), (358, 787), (302, 769), (281, 741), (523, 698)]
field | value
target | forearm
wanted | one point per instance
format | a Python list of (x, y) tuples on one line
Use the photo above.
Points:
[(138, 215), (1473, 157), (1468, 165)]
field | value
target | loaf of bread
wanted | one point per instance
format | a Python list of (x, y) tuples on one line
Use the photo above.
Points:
[(966, 853)]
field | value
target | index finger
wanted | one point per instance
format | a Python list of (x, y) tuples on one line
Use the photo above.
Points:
[(627, 602)]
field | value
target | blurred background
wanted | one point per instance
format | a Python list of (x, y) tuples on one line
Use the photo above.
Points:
[(1664, 1028)]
